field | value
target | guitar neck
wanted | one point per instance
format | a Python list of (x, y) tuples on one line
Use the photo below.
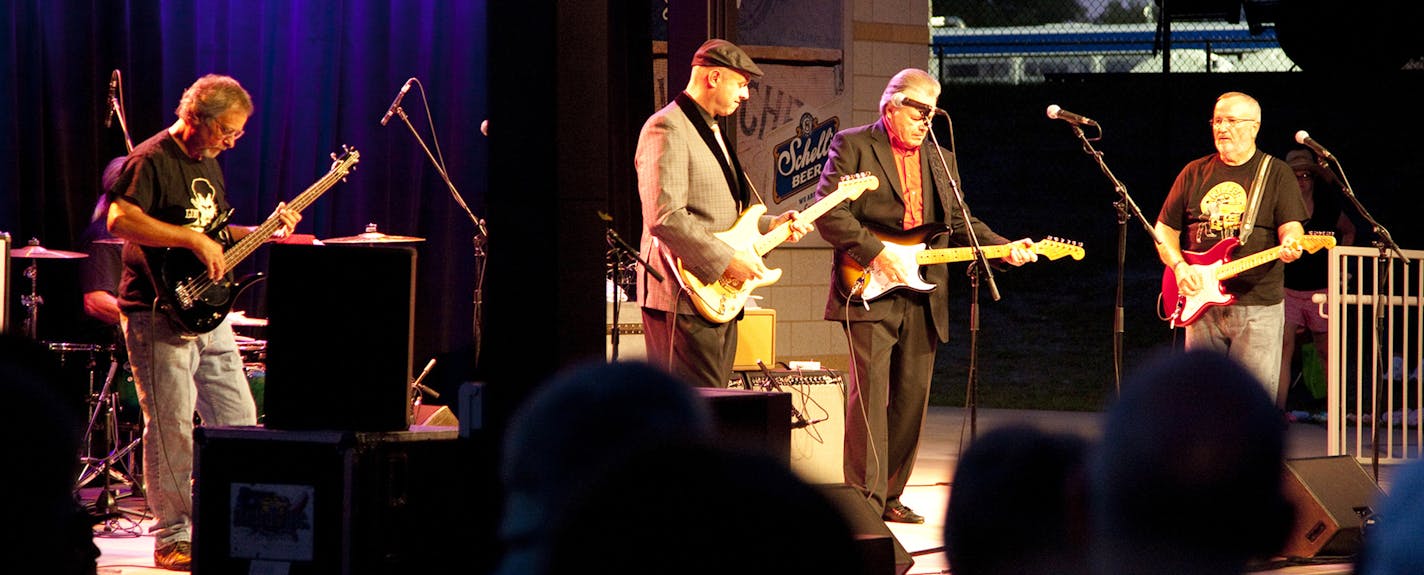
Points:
[(781, 233), (263, 232), (1231, 269), (951, 255)]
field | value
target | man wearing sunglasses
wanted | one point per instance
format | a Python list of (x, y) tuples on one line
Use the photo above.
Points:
[(893, 338)]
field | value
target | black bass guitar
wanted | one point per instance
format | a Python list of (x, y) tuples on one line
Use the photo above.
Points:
[(200, 304)]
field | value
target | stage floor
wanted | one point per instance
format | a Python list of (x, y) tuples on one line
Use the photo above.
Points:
[(928, 494)]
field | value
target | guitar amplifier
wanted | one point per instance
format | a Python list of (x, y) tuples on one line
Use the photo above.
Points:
[(818, 436)]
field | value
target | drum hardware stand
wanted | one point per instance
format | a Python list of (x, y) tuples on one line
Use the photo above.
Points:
[(105, 507), (32, 301)]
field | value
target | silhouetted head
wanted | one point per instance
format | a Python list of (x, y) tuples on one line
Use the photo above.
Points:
[(1017, 505), (1190, 468)]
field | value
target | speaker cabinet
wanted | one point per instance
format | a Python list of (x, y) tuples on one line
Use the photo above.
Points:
[(756, 420), (434, 416), (818, 437), (1332, 497), (341, 320), (327, 502), (756, 336), (880, 551), (756, 339)]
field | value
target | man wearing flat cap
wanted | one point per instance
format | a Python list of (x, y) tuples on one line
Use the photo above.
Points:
[(692, 186)]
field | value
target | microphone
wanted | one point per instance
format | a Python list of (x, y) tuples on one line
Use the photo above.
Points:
[(396, 103), (1303, 138), (421, 386), (1058, 113), (113, 89), (899, 101)]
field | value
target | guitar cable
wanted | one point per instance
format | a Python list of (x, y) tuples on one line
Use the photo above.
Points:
[(873, 472)]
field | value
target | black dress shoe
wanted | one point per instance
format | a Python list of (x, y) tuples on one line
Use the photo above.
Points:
[(898, 513)]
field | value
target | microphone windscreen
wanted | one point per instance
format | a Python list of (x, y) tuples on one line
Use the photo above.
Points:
[(1053, 110), (1301, 137)]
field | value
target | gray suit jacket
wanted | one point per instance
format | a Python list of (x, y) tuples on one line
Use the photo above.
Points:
[(687, 195), (867, 149)]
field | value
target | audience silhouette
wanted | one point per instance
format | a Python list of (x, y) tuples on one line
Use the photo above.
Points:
[(700, 509), (1018, 505), (573, 426), (1394, 543), (1187, 476), (52, 533)]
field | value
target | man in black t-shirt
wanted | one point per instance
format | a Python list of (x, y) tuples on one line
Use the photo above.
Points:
[(171, 194), (1209, 203)]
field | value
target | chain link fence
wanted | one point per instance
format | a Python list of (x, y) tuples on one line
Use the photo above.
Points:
[(1024, 41)]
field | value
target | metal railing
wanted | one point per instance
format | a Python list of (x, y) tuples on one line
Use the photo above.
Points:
[(1375, 308)]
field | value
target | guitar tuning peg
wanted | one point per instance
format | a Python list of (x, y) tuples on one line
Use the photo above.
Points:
[(333, 156)]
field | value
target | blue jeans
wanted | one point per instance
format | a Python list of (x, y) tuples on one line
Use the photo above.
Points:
[(1250, 334), (176, 375)]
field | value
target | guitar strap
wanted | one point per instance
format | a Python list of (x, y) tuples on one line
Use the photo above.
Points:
[(1248, 222)]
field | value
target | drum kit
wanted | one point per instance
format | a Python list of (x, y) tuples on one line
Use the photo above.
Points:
[(107, 457)]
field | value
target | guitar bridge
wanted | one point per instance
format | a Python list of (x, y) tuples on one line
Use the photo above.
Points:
[(184, 296)]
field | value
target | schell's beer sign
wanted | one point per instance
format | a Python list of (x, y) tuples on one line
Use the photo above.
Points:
[(799, 160)]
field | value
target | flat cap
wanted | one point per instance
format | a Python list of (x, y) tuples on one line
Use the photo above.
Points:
[(719, 52)]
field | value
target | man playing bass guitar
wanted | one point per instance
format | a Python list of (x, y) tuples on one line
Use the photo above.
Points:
[(171, 194)]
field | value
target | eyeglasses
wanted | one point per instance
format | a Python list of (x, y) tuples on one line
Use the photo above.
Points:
[(225, 132), (923, 113), (1230, 123), (1302, 176)]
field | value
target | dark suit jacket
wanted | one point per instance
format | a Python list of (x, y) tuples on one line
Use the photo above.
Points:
[(867, 149)]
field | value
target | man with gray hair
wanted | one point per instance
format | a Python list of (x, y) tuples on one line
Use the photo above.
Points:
[(171, 194), (893, 338)]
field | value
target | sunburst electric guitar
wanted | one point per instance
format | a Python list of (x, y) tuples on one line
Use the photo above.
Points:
[(854, 281), (721, 301), (200, 304), (1215, 266)]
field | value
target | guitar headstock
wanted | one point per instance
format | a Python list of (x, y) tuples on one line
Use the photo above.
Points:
[(346, 162), (1054, 248), (853, 184), (1315, 241)]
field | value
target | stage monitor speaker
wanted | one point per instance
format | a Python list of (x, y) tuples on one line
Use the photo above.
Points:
[(755, 420), (881, 552), (1332, 496), (340, 337), (818, 446), (435, 416)]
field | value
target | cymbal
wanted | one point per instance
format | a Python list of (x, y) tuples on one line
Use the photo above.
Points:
[(39, 252), (371, 236), (118, 241)]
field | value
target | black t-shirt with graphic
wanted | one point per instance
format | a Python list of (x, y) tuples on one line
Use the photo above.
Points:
[(170, 187), (1208, 201)]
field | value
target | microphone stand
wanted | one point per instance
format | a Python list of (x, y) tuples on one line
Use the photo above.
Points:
[(481, 238), (978, 266), (117, 106), (1388, 250), (621, 249), (1125, 207)]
